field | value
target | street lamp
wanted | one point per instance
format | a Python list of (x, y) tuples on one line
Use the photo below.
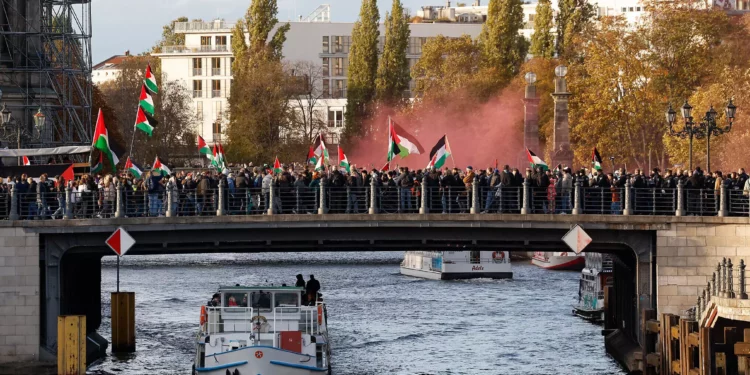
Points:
[(689, 131), (709, 127), (13, 130)]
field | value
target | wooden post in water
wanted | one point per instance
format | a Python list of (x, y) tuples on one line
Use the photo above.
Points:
[(608, 298), (123, 322), (71, 344)]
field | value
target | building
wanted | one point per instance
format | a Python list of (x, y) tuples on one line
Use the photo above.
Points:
[(108, 69)]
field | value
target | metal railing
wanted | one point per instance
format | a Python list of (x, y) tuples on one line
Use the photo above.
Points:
[(215, 71), (215, 93), (202, 26), (197, 71), (195, 49), (378, 197), (197, 93)]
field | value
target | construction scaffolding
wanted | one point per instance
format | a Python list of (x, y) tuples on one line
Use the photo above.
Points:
[(45, 63)]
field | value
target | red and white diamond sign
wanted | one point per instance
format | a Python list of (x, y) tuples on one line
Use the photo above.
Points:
[(577, 239), (120, 242)]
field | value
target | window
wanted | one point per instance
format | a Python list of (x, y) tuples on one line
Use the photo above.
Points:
[(221, 40), (216, 88), (326, 66), (325, 44), (338, 66), (261, 300), (335, 118), (339, 89), (630, 9), (531, 17), (341, 44), (217, 131), (205, 40), (637, 9), (286, 299), (197, 67), (216, 66), (235, 300), (217, 110), (199, 110), (624, 10), (326, 88), (197, 89)]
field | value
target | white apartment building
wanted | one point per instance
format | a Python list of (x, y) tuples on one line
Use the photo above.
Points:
[(108, 69)]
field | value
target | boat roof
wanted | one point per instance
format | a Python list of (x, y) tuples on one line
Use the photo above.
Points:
[(264, 288)]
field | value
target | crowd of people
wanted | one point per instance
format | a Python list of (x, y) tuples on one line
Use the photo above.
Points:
[(296, 190)]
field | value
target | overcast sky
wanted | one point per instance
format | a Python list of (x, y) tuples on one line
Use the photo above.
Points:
[(135, 25)]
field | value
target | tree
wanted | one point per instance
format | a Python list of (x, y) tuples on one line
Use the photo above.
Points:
[(447, 69), (393, 72), (503, 47), (542, 41), (306, 116), (258, 105), (572, 18), (169, 37), (363, 67)]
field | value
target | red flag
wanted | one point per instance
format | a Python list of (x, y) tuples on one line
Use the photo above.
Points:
[(68, 175), (277, 166), (385, 167), (26, 160), (310, 155)]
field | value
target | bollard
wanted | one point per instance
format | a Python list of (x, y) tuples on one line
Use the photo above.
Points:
[(706, 295), (220, 201), (424, 209), (170, 195), (742, 293), (271, 198), (723, 278), (123, 322), (730, 279), (297, 209), (474, 190), (118, 200), (499, 193), (68, 212), (322, 209), (373, 198), (348, 199), (525, 207), (723, 201), (714, 285), (577, 198), (13, 203), (71, 344), (697, 310), (680, 205), (627, 210)]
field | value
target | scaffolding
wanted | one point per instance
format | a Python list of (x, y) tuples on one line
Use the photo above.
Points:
[(45, 63)]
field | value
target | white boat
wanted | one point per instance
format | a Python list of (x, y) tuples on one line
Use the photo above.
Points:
[(262, 330), (558, 260), (454, 265), (595, 276)]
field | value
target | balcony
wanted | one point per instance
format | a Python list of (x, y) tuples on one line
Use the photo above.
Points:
[(197, 93), (338, 93), (217, 137), (218, 25), (335, 123), (197, 71), (194, 49), (216, 93), (216, 71)]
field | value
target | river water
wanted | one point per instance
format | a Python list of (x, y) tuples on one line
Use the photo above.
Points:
[(380, 321)]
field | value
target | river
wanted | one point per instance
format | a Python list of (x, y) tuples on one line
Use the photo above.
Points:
[(380, 321)]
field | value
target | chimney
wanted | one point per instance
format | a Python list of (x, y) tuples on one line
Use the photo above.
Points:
[(449, 4), (127, 53)]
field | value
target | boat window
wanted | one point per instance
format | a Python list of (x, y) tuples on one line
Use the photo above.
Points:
[(261, 300), (286, 299), (235, 300)]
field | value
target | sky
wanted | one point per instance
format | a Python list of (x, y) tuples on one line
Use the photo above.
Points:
[(136, 25)]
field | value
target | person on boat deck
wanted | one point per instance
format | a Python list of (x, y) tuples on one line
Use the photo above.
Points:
[(215, 300), (300, 281), (313, 287), (244, 301), (264, 302), (232, 301)]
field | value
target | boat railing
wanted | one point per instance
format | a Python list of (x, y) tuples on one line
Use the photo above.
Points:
[(232, 319), (306, 319)]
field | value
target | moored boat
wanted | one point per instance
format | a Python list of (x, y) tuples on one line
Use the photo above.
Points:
[(454, 265), (594, 277), (558, 260), (262, 330)]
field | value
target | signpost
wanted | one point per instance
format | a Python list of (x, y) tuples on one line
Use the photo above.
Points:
[(577, 239), (120, 242)]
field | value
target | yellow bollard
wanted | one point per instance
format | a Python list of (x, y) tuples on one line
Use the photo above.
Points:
[(123, 322), (71, 344)]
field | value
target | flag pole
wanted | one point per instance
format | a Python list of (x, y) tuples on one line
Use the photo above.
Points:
[(449, 147)]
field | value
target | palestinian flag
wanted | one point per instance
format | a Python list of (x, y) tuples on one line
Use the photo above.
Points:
[(343, 161), (320, 165), (150, 80), (386, 167), (439, 153), (215, 158), (161, 168), (222, 160), (101, 141), (311, 156), (536, 161), (99, 165), (203, 148), (146, 101), (596, 160), (26, 160), (277, 166), (142, 122), (320, 151), (400, 142), (133, 168)]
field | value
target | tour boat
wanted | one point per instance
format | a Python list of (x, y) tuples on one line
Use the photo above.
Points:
[(264, 331), (558, 260), (454, 265), (595, 276)]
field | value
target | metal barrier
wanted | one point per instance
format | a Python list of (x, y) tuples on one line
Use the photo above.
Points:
[(500, 199), (701, 202), (737, 203), (654, 201), (603, 201)]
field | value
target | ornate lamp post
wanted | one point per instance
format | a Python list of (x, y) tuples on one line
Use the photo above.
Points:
[(12, 130), (690, 131), (705, 128)]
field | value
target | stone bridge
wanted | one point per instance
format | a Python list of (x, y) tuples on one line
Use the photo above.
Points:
[(49, 268)]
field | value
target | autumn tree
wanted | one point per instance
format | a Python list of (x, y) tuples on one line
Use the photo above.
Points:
[(448, 69), (503, 47), (542, 41), (573, 16), (258, 105), (169, 37), (363, 68), (393, 71)]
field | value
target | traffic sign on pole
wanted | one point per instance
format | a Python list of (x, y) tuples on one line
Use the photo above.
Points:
[(577, 239), (120, 242)]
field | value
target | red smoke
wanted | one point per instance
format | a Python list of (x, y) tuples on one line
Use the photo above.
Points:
[(477, 133)]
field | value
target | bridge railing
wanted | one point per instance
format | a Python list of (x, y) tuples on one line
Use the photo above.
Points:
[(375, 198)]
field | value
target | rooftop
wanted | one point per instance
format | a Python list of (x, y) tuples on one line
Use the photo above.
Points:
[(112, 62)]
